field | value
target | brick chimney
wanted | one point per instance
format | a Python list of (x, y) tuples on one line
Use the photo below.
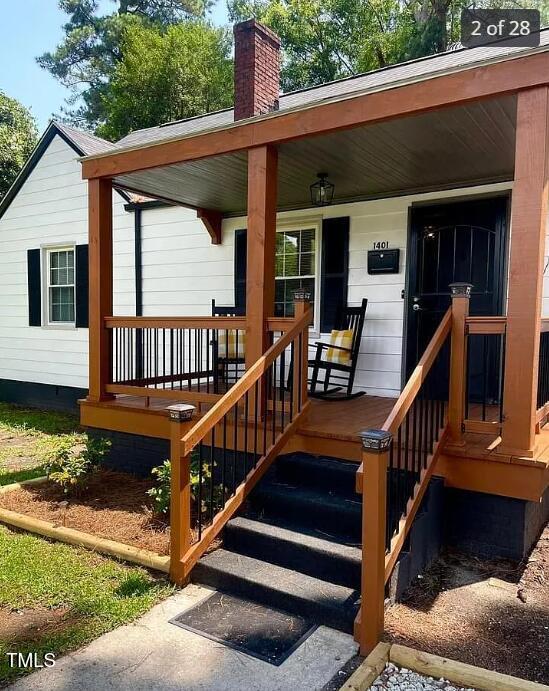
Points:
[(256, 69)]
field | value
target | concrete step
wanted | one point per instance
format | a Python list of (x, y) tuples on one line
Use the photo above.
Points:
[(280, 503), (319, 472), (325, 603), (308, 551)]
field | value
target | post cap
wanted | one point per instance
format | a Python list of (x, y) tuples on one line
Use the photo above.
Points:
[(181, 412), (376, 440), (302, 295), (461, 290)]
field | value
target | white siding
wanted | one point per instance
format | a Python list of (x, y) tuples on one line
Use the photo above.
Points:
[(52, 208), (182, 270)]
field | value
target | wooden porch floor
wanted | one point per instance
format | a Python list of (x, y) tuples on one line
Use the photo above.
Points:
[(334, 420)]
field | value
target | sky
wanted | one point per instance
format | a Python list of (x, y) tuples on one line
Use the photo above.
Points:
[(28, 29)]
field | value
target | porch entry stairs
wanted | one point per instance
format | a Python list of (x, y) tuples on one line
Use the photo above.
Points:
[(298, 535)]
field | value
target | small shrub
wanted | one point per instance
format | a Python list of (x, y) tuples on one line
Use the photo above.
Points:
[(161, 493), (72, 466)]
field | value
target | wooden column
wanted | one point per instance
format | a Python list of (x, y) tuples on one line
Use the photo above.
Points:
[(100, 286), (260, 274), (376, 445), (180, 494), (528, 229), (461, 294)]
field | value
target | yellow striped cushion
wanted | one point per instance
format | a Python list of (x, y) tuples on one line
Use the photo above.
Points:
[(227, 344), (343, 339)]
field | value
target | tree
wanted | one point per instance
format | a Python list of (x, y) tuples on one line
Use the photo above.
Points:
[(17, 139), (162, 76), (87, 56), (328, 39)]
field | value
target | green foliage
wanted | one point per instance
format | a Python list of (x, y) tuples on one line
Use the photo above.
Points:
[(17, 139), (162, 76), (96, 593), (71, 468), (161, 493), (87, 56), (33, 421), (324, 40)]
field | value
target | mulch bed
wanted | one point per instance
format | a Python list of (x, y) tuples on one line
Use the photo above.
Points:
[(114, 506), (490, 614)]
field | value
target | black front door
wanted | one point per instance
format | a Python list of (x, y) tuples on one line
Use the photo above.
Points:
[(463, 241)]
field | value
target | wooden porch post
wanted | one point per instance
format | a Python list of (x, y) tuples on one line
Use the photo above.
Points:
[(260, 280), (100, 286), (376, 445), (180, 495), (302, 303), (528, 229), (461, 294)]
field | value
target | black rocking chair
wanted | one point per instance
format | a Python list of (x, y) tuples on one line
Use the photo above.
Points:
[(222, 364), (350, 318)]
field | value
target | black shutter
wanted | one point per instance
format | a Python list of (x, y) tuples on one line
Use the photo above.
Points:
[(334, 273), (34, 283), (240, 254), (82, 286)]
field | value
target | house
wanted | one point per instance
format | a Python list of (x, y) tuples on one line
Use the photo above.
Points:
[(444, 159)]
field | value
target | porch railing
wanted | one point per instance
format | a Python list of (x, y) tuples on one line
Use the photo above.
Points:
[(484, 373), (543, 373), (219, 459), (397, 463), (190, 358)]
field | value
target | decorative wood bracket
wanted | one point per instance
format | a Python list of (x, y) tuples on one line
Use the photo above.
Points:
[(212, 220)]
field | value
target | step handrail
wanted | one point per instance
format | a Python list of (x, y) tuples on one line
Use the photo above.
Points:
[(244, 384), (235, 443), (418, 376), (393, 478)]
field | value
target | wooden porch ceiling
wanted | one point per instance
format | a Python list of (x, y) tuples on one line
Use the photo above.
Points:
[(455, 146)]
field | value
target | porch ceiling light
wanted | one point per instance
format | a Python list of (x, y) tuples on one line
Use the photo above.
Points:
[(322, 191)]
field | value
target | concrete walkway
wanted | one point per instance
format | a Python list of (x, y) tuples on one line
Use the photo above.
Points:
[(154, 654)]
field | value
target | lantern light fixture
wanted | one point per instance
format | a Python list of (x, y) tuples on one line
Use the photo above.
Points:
[(322, 191)]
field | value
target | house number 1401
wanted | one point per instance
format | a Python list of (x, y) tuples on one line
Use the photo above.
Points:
[(381, 245)]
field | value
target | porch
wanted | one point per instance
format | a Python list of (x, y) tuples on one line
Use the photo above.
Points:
[(475, 391)]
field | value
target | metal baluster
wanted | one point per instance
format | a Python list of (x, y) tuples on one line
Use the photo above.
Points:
[(212, 474), (200, 477)]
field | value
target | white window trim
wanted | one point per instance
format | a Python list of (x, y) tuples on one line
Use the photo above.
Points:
[(303, 223), (46, 250)]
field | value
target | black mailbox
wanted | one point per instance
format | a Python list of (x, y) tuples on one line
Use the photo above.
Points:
[(383, 261)]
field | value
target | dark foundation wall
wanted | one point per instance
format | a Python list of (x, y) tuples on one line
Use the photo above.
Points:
[(131, 453), (490, 526), (46, 396)]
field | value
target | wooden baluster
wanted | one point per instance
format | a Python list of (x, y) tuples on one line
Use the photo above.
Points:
[(376, 445), (461, 293)]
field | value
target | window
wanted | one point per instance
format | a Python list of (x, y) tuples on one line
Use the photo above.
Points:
[(295, 267), (60, 285)]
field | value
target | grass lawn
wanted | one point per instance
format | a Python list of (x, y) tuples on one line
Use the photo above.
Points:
[(55, 598), (28, 437)]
